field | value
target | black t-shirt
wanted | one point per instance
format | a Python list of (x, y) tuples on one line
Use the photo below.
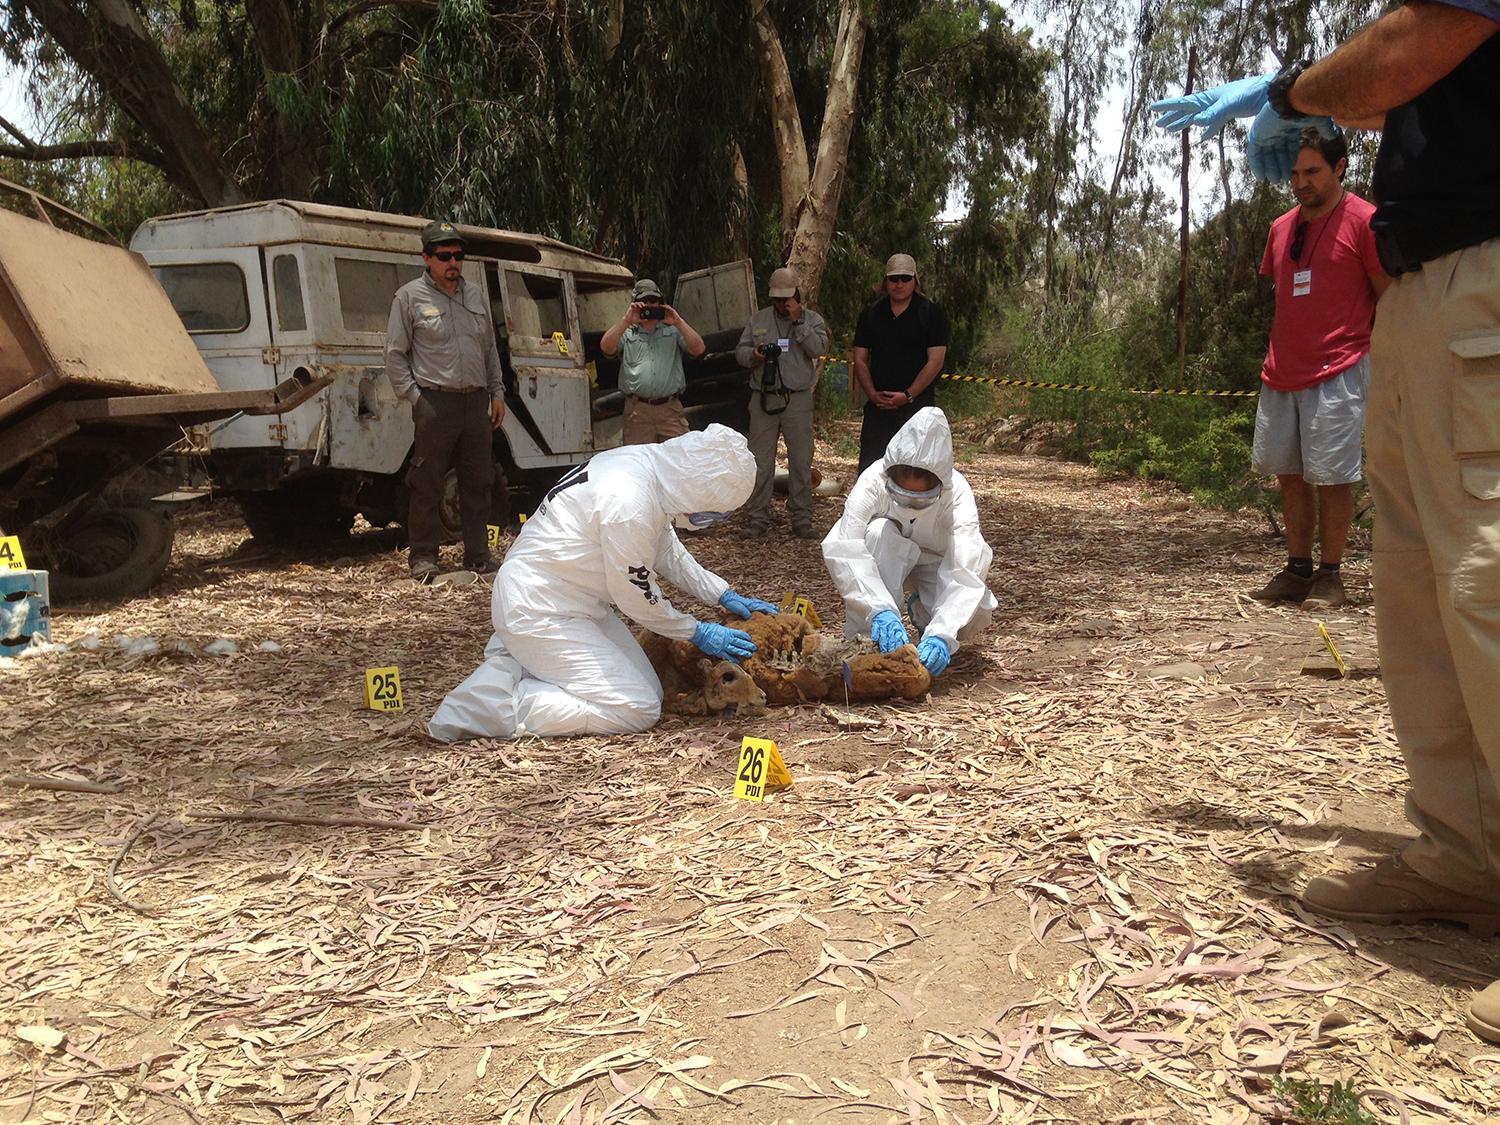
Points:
[(1437, 177), (898, 344)]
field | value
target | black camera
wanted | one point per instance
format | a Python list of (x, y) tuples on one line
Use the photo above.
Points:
[(653, 312), (770, 374)]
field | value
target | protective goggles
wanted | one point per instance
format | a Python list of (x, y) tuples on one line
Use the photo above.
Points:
[(908, 498), (707, 519)]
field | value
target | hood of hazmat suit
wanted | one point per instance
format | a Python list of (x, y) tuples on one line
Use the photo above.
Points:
[(603, 535), (943, 539)]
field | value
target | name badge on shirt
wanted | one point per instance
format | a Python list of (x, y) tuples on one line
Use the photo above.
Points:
[(1301, 283)]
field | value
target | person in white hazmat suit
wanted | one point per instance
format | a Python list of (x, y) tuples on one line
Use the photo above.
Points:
[(910, 523), (560, 662)]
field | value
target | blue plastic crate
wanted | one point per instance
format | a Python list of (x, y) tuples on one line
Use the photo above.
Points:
[(25, 609)]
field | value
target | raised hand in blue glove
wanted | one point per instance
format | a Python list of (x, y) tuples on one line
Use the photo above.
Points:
[(1212, 108), (743, 606), (887, 631), (722, 642), (934, 655), (1275, 141)]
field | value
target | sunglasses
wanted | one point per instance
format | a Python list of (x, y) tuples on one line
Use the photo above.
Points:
[(1299, 236), (901, 278), (448, 255)]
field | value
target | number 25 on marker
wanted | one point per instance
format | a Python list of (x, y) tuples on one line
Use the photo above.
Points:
[(383, 689)]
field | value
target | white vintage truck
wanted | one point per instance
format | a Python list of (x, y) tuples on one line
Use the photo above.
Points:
[(275, 290)]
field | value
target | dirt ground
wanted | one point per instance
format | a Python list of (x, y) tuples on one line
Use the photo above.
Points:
[(1059, 890)]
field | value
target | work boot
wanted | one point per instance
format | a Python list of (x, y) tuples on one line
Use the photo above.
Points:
[(424, 570), (806, 531), (1285, 587), (1327, 591), (754, 530), (1391, 892), (484, 565), (1484, 1014)]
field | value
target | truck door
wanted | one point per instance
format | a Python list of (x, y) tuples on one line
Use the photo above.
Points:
[(220, 295), (718, 302), (550, 421)]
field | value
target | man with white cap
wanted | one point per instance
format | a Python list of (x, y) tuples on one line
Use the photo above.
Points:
[(650, 340), (900, 344), (781, 346), (911, 523), (560, 662)]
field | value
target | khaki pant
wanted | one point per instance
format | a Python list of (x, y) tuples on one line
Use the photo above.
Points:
[(644, 423), (794, 425), (1433, 427)]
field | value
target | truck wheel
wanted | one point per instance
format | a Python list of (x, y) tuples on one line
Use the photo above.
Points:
[(453, 528), (300, 514), (110, 554)]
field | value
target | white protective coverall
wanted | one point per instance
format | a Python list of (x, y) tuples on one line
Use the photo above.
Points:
[(560, 662), (879, 548)]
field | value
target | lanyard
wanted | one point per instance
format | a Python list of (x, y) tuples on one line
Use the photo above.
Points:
[(1327, 221)]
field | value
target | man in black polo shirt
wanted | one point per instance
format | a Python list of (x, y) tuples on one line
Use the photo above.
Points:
[(900, 343), (1428, 75)]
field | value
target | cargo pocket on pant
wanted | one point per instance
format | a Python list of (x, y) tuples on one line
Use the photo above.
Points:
[(1476, 412)]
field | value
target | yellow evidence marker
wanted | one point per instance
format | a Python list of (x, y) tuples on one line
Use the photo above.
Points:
[(492, 535), (11, 557), (1333, 650), (760, 770), (562, 343), (802, 607), (383, 689)]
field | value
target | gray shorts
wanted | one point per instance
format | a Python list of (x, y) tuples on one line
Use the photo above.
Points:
[(1316, 433)]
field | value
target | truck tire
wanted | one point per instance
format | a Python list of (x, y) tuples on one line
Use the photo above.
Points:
[(453, 528), (110, 554), (300, 514)]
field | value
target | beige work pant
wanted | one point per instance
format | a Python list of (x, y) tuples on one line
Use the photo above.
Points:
[(1433, 428), (794, 425), (644, 423)]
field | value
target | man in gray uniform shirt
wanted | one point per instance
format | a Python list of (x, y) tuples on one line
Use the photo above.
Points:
[(440, 356), (781, 400)]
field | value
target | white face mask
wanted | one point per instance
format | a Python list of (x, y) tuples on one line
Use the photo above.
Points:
[(907, 498), (707, 519)]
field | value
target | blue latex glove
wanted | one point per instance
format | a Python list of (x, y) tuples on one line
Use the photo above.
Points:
[(722, 642), (887, 631), (934, 655), (743, 606), (1212, 108), (1275, 140)]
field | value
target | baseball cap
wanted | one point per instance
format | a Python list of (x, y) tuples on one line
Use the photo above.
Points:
[(440, 231), (900, 264), (644, 288), (785, 282)]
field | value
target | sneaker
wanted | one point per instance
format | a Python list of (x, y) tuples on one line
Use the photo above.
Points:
[(1285, 587), (1327, 591), (755, 531), (486, 565), (806, 531), (424, 570), (1392, 892), (1484, 1014)]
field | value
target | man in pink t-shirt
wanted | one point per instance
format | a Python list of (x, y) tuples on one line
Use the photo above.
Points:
[(1310, 422)]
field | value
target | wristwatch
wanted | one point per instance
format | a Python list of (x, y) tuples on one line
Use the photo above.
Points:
[(1280, 92)]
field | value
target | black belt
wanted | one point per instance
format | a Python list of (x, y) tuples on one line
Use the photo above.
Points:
[(652, 401), (452, 390)]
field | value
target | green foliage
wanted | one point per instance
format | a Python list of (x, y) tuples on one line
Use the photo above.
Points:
[(1316, 1104)]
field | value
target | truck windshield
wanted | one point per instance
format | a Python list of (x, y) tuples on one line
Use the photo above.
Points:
[(210, 297)]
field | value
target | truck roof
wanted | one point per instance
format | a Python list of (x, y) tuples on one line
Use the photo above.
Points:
[(279, 221)]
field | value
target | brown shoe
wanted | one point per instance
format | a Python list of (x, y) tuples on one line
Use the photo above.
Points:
[(1327, 591), (806, 531), (1392, 892), (1484, 1014), (1285, 587)]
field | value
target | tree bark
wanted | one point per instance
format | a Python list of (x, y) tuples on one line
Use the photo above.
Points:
[(1182, 279), (283, 42), (810, 199), (111, 44)]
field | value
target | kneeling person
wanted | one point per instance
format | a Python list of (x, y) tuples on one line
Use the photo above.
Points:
[(560, 662), (911, 523)]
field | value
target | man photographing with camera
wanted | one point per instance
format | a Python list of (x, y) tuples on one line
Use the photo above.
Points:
[(780, 346), (650, 339)]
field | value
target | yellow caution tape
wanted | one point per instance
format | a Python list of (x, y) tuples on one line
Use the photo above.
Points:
[(997, 381)]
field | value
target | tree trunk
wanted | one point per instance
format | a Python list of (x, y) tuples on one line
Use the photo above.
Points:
[(1182, 279), (282, 40), (820, 211), (786, 121), (110, 43)]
